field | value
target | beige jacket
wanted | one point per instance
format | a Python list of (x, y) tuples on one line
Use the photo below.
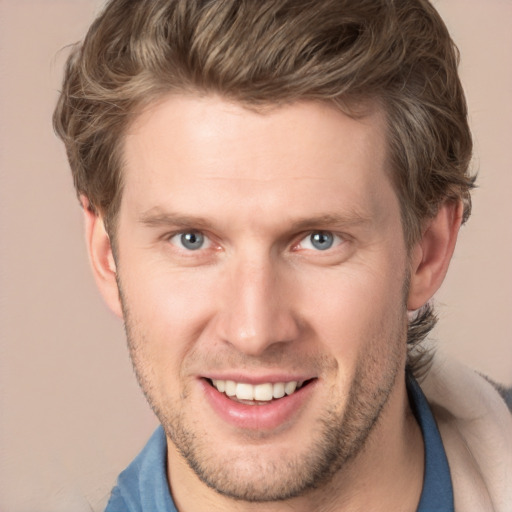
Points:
[(476, 428)]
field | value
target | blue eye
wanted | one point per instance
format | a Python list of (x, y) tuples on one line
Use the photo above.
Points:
[(191, 240), (320, 241)]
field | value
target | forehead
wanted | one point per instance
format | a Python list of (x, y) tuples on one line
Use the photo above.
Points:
[(187, 151)]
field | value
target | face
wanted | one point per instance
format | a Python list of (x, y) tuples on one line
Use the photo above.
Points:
[(262, 271)]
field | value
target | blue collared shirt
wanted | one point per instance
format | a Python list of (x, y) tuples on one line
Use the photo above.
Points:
[(143, 487)]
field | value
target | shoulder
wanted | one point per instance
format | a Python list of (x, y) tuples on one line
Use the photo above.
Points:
[(142, 486), (117, 502), (476, 428)]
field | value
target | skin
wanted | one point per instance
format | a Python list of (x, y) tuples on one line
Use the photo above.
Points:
[(259, 301)]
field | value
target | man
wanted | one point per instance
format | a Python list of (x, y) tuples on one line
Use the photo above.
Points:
[(272, 193)]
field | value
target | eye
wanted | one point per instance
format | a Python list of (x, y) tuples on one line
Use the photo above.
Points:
[(190, 240), (320, 241)]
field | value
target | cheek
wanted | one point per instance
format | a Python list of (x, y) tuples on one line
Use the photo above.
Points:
[(168, 308), (352, 306)]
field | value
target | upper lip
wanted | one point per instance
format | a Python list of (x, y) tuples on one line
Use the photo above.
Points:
[(259, 379)]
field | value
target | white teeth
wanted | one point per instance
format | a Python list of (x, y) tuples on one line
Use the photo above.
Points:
[(263, 392), (220, 385), (278, 390), (244, 391), (260, 392), (290, 387), (230, 388)]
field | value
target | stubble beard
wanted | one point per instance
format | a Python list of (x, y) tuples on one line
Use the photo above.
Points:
[(338, 439), (340, 435)]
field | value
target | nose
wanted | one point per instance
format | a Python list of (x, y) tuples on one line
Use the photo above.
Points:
[(258, 307)]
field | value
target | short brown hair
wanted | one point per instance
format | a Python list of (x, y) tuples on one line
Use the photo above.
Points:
[(395, 52)]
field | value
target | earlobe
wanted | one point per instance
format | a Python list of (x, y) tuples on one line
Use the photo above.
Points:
[(101, 257), (431, 256)]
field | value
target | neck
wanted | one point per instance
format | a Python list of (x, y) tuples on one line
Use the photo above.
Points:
[(386, 475)]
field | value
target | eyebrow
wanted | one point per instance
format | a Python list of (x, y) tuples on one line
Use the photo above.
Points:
[(156, 217), (329, 220)]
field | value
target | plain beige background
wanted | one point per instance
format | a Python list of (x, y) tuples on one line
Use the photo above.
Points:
[(71, 414)]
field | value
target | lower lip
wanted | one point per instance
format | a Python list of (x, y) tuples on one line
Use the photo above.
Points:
[(269, 416)]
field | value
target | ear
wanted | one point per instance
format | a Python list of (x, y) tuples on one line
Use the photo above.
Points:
[(101, 257), (431, 256)]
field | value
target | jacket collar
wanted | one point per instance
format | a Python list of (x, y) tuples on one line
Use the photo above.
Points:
[(476, 429)]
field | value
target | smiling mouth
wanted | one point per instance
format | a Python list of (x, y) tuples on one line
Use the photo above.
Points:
[(258, 394)]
